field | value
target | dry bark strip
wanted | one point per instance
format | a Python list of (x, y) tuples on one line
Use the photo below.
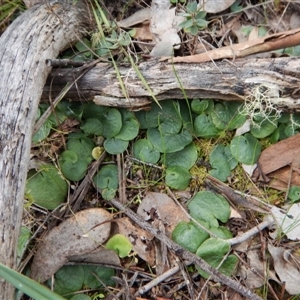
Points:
[(186, 255), (225, 80), (38, 34)]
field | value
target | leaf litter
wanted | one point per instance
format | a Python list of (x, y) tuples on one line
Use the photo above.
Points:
[(77, 238)]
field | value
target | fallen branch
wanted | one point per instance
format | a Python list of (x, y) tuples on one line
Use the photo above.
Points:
[(219, 80), (186, 255)]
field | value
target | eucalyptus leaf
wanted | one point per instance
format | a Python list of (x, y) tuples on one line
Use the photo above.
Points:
[(246, 149)]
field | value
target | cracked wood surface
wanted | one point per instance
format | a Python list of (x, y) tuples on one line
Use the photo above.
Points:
[(39, 33), (219, 80)]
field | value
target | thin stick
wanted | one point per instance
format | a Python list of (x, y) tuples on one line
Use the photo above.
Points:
[(186, 255)]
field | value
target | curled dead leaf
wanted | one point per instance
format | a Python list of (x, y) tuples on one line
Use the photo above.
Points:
[(80, 234)]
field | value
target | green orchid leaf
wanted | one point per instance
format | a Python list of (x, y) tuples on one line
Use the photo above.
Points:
[(221, 161), (169, 143), (144, 151), (92, 127), (112, 122), (226, 115), (107, 181), (213, 251), (184, 158), (294, 193), (82, 146), (178, 178), (166, 118), (204, 127), (68, 280), (246, 149), (200, 106), (115, 145), (189, 236), (46, 187), (209, 207), (120, 244), (92, 274), (264, 128), (130, 126)]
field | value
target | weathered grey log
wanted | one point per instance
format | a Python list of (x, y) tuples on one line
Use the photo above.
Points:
[(40, 33), (219, 80)]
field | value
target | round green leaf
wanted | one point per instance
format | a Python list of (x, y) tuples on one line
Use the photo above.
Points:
[(201, 106), (264, 128), (81, 145), (226, 115), (43, 132), (92, 274), (177, 177), (74, 171), (189, 236), (294, 193), (107, 181), (68, 279), (167, 118), (115, 146), (120, 244), (91, 110), (184, 158), (46, 187), (221, 163), (144, 151), (92, 126), (112, 123), (204, 127), (209, 207), (169, 143), (246, 149), (129, 130), (213, 251)]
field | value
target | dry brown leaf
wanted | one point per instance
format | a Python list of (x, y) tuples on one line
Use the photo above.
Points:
[(272, 42), (80, 234), (140, 239), (214, 6), (99, 256), (158, 206), (138, 17), (286, 269)]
